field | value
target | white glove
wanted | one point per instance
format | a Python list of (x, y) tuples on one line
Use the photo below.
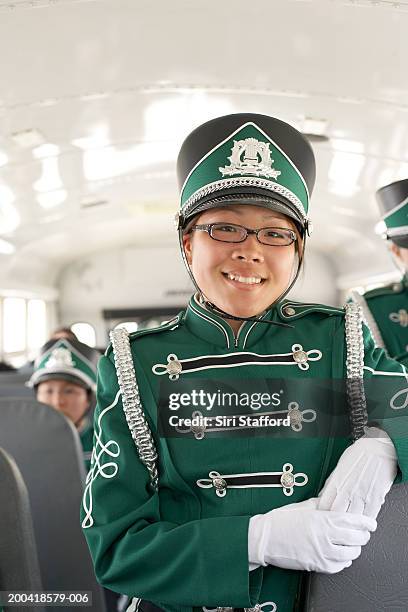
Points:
[(252, 535), (363, 476), (300, 537)]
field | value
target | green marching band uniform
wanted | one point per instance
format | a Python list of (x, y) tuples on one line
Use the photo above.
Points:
[(385, 309), (75, 362), (173, 528)]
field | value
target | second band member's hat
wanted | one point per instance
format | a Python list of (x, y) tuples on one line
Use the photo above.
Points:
[(250, 159), (69, 360), (393, 201)]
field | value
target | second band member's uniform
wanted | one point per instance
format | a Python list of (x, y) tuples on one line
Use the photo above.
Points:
[(385, 309)]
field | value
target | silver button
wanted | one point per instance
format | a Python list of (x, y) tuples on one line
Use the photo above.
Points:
[(295, 416), (289, 311), (396, 287), (198, 430), (300, 356), (287, 479), (219, 484), (174, 367)]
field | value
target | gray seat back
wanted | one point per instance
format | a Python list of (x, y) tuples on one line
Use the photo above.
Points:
[(12, 384), (19, 569), (47, 450), (378, 579)]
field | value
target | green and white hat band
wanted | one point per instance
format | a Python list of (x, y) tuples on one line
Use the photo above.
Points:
[(63, 358), (396, 220), (247, 158)]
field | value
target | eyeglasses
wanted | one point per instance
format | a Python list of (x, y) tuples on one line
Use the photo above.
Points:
[(229, 232)]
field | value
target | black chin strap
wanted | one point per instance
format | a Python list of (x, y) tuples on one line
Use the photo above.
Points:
[(225, 315)]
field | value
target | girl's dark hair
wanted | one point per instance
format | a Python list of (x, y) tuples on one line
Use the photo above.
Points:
[(64, 330)]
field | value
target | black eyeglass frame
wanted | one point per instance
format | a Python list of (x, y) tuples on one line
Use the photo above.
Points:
[(207, 227)]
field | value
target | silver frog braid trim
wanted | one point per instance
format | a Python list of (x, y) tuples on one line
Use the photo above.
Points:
[(242, 182), (354, 366), (132, 405)]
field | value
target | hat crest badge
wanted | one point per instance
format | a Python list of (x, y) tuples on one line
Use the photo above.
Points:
[(60, 357), (250, 156)]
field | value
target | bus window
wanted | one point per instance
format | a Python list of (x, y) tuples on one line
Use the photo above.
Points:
[(85, 333), (36, 324), (14, 330)]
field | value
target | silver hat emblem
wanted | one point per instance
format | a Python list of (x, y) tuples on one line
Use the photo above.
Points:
[(59, 358), (250, 156)]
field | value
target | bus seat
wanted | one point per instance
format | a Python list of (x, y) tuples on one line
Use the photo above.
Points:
[(47, 450), (12, 384), (378, 579), (19, 569)]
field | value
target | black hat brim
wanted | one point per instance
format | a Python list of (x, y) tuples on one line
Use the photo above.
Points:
[(61, 376)]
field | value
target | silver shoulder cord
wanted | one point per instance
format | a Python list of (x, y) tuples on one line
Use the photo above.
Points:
[(354, 367), (132, 405), (368, 318)]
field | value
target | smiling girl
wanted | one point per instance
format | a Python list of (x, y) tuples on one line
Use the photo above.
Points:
[(207, 517)]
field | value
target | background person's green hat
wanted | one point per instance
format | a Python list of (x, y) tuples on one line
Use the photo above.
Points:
[(62, 359), (246, 158), (393, 202)]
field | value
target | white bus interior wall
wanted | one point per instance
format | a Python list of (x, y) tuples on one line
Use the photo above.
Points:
[(97, 97)]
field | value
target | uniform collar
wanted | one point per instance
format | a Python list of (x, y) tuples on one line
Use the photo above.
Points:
[(214, 329)]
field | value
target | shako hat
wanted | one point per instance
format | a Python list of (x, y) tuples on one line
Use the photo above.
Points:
[(393, 202), (246, 158), (69, 360)]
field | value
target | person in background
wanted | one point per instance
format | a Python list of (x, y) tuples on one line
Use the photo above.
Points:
[(385, 308), (64, 378)]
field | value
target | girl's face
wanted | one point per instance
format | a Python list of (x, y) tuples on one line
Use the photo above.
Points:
[(243, 278), (64, 396)]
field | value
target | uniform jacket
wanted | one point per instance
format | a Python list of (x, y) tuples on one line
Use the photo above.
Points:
[(86, 437), (185, 546), (386, 313)]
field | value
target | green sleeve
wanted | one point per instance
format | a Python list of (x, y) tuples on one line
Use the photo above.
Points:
[(135, 552), (402, 358), (386, 384)]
